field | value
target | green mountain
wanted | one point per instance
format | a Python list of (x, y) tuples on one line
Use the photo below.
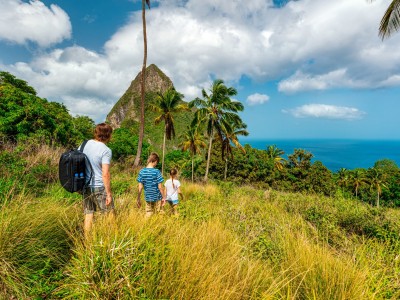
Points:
[(126, 112)]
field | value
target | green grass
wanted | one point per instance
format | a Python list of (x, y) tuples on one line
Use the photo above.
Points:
[(229, 242)]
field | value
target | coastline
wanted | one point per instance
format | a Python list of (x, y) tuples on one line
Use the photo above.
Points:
[(336, 153)]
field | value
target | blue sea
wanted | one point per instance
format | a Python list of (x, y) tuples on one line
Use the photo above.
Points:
[(336, 154)]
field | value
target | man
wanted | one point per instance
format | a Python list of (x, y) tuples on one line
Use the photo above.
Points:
[(97, 196)]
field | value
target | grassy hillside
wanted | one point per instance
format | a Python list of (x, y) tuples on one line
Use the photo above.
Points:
[(229, 242)]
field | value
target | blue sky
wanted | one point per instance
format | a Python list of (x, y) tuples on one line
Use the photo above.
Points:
[(303, 69)]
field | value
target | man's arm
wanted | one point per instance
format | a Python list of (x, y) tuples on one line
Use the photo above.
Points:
[(107, 182), (140, 189)]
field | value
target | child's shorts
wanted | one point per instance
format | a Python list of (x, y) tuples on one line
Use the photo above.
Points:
[(173, 202)]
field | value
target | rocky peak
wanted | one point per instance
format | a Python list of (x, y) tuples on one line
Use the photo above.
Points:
[(127, 106)]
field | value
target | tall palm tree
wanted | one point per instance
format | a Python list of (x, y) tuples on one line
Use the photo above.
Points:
[(377, 180), (165, 105), (192, 141), (275, 154), (391, 20), (230, 134), (343, 178), (216, 110), (142, 85), (357, 179)]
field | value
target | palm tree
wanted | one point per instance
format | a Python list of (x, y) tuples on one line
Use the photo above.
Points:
[(343, 178), (217, 110), (230, 134), (376, 180), (192, 141), (165, 105), (357, 179), (142, 86), (391, 20), (300, 159), (275, 154)]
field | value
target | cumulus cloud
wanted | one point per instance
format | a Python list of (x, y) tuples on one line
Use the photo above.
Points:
[(257, 99), (21, 22), (307, 44), (84, 80), (325, 111)]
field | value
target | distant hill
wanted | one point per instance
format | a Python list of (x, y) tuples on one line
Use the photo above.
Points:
[(126, 112)]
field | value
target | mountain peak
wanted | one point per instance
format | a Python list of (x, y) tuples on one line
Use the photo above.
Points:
[(127, 107)]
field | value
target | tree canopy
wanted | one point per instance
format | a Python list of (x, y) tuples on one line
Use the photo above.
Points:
[(24, 115)]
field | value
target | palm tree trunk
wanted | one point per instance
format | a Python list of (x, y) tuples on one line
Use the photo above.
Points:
[(192, 169), (226, 168), (142, 89), (377, 201), (163, 153), (209, 156)]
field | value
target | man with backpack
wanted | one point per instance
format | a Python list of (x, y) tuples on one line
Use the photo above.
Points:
[(97, 194)]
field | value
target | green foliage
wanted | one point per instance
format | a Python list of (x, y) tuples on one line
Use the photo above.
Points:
[(11, 168), (124, 144), (7, 78), (84, 126), (180, 160), (24, 116)]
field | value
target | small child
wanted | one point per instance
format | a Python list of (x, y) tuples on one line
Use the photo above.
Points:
[(172, 189), (150, 179)]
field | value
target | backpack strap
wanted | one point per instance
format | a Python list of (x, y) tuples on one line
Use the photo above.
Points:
[(83, 146), (88, 162)]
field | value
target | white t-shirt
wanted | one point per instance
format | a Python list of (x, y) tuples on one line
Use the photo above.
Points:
[(172, 190), (98, 154)]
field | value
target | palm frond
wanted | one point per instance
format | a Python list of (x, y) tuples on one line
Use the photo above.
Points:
[(391, 20)]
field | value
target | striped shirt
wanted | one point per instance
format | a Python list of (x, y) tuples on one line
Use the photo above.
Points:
[(150, 178)]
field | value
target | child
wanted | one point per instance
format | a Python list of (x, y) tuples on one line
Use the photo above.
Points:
[(172, 189), (150, 180)]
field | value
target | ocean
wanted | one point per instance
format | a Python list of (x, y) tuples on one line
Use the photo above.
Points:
[(337, 154)]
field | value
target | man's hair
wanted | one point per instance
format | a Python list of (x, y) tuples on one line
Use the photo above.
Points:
[(103, 132), (153, 157)]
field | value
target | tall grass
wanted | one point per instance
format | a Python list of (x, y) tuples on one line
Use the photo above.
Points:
[(229, 242), (34, 243), (163, 258)]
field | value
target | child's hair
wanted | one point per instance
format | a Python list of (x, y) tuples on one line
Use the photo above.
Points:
[(173, 173), (153, 157)]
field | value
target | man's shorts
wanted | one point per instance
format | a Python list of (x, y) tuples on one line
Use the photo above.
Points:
[(94, 199)]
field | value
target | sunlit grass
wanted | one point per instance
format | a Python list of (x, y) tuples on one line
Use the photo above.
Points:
[(34, 241), (229, 242)]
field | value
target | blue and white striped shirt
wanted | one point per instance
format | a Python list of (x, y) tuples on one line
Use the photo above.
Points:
[(150, 178)]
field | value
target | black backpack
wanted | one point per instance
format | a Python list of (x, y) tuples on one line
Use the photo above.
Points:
[(72, 170)]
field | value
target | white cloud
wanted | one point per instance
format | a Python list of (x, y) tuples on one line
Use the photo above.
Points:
[(306, 82), (21, 22), (76, 73), (325, 111), (257, 99), (311, 44)]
